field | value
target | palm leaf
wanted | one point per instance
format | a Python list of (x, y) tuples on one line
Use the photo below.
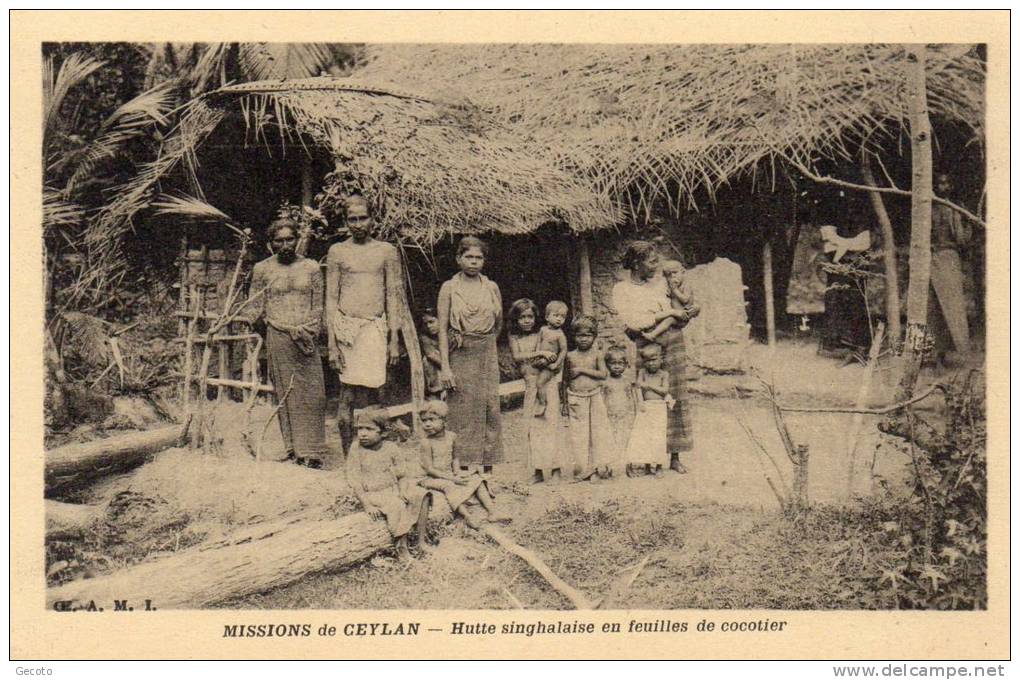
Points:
[(192, 208), (271, 61), (57, 212), (74, 69), (131, 120), (86, 336)]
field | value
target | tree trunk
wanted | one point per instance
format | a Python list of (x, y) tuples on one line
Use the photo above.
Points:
[(251, 561), (263, 557), (920, 224), (73, 465), (892, 281)]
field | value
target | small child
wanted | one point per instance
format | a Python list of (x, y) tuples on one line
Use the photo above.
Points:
[(647, 445), (376, 473), (545, 453), (680, 298), (551, 339), (439, 461), (619, 397), (590, 435), (432, 362)]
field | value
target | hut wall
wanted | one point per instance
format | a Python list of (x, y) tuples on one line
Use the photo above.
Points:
[(716, 341)]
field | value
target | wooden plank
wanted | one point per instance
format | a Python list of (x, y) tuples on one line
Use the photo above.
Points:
[(770, 301), (584, 277)]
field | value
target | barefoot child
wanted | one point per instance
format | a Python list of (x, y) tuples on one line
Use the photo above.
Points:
[(439, 461), (590, 435), (551, 339), (619, 396), (544, 434), (680, 298), (375, 471), (647, 445), (432, 362)]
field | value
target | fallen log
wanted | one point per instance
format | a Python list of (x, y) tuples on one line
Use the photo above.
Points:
[(254, 560), (75, 464), (261, 558), (68, 520)]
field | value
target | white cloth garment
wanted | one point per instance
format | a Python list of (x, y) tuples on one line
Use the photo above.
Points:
[(362, 344)]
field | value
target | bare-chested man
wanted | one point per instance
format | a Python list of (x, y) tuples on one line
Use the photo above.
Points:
[(363, 307), (289, 287)]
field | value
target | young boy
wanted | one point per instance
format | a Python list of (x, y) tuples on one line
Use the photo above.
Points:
[(376, 473), (551, 339), (680, 297), (647, 445), (590, 435), (439, 461), (619, 397), (432, 362)]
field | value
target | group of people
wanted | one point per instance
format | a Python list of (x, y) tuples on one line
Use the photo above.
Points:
[(619, 418)]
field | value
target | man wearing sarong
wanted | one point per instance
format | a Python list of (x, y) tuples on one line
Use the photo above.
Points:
[(289, 297), (363, 308), (947, 313)]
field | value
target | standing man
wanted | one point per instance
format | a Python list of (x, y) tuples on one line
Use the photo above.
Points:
[(289, 287), (364, 303), (947, 317)]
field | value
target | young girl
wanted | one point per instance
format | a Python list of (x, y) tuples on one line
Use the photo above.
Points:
[(375, 471), (618, 391), (551, 339), (590, 435), (432, 362), (647, 446), (544, 433), (439, 461), (680, 297)]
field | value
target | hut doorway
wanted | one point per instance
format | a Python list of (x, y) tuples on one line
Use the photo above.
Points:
[(539, 266)]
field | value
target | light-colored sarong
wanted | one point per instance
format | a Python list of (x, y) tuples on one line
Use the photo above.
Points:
[(648, 435), (591, 438), (362, 343)]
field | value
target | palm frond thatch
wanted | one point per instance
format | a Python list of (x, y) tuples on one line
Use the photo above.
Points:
[(622, 116), (509, 137)]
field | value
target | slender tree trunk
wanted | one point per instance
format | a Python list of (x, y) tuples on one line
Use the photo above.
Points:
[(892, 282), (920, 224)]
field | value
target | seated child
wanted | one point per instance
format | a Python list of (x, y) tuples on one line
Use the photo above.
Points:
[(680, 298), (439, 461), (375, 471), (551, 339), (431, 361), (618, 391), (590, 435), (647, 445)]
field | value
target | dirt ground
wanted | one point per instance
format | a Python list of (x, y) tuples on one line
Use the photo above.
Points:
[(712, 538)]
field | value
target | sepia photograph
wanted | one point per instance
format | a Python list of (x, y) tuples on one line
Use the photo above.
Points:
[(514, 326)]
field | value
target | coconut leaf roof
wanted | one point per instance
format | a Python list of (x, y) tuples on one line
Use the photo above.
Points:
[(644, 121), (468, 138), (432, 168)]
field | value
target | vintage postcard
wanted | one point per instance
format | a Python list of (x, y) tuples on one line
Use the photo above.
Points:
[(510, 335)]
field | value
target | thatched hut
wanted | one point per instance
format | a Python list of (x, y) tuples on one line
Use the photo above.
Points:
[(556, 142)]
